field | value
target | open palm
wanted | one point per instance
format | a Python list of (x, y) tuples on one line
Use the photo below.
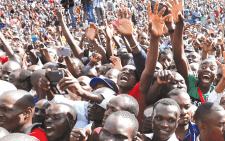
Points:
[(156, 22), (175, 8), (125, 27), (108, 30), (91, 31)]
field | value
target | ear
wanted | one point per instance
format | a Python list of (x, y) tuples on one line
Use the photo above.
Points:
[(25, 85), (202, 127), (28, 113), (71, 124)]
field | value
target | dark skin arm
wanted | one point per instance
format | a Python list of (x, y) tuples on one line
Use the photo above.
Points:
[(178, 45), (109, 36), (129, 50), (156, 30), (69, 38)]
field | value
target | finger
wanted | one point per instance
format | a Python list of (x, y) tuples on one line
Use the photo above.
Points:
[(180, 16), (123, 15), (149, 10), (114, 24), (171, 2), (150, 25), (219, 63), (167, 17), (162, 76), (66, 84), (161, 12), (175, 1), (130, 15), (105, 23), (169, 5), (156, 7), (181, 2), (66, 71), (118, 13)]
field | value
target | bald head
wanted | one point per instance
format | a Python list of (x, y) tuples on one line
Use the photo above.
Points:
[(19, 97), (18, 137), (11, 65), (36, 75)]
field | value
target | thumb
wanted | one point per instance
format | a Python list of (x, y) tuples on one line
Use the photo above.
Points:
[(180, 16), (112, 65), (150, 25)]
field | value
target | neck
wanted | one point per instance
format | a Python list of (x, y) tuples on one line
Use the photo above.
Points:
[(204, 89), (155, 138), (22, 128), (64, 138), (123, 90), (181, 131)]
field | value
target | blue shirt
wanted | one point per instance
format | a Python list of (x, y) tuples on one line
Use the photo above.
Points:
[(192, 133)]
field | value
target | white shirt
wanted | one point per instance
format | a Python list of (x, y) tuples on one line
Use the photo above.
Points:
[(172, 138), (79, 106)]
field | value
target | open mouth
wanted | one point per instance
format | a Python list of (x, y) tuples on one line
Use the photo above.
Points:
[(206, 78), (124, 78), (49, 130)]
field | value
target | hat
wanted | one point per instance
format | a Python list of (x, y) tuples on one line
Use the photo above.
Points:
[(109, 82)]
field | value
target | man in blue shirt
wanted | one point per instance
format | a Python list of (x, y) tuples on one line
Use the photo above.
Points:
[(186, 130), (196, 15)]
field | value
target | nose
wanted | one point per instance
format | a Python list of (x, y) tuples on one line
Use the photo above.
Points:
[(183, 111), (179, 85), (164, 124)]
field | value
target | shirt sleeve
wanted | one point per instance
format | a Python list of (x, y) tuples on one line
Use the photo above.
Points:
[(139, 61), (215, 97)]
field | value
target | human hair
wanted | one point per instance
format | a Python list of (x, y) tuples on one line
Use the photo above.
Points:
[(130, 104), (167, 102), (204, 110), (36, 75), (166, 52), (142, 32), (71, 113), (176, 92), (125, 57), (130, 118), (24, 76), (18, 137)]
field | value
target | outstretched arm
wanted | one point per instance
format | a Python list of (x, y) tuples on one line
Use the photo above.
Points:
[(69, 38), (177, 43), (156, 24)]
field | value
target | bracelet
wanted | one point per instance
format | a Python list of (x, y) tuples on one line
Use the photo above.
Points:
[(134, 47), (171, 31)]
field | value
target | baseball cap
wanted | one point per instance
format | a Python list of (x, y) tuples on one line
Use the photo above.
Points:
[(109, 82)]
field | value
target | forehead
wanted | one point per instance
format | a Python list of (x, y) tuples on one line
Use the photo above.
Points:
[(7, 100), (216, 116), (209, 62), (55, 109), (177, 76), (129, 67), (181, 99), (166, 111)]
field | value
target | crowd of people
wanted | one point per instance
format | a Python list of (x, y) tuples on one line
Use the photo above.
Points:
[(95, 70)]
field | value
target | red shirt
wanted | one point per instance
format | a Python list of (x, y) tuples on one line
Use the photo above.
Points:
[(136, 93), (39, 134)]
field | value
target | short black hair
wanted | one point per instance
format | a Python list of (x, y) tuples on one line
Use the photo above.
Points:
[(167, 102), (205, 109), (25, 76), (176, 92), (130, 104), (130, 118), (72, 113), (166, 52), (125, 57)]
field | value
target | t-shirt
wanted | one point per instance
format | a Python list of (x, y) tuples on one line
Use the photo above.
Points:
[(193, 91), (136, 93), (39, 134)]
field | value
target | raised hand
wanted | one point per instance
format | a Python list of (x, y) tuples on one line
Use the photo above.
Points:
[(95, 57), (79, 134), (116, 63), (156, 22), (58, 13), (208, 44), (176, 9), (125, 27), (108, 30), (91, 31), (222, 65), (164, 77)]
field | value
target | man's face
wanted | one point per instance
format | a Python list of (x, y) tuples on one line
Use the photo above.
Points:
[(11, 114), (215, 126), (164, 121), (192, 57), (84, 83), (158, 67), (165, 60), (143, 39), (115, 104), (177, 82), (207, 72), (95, 112), (6, 70), (184, 102), (112, 75), (127, 77), (222, 101), (113, 130), (56, 123), (39, 113)]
